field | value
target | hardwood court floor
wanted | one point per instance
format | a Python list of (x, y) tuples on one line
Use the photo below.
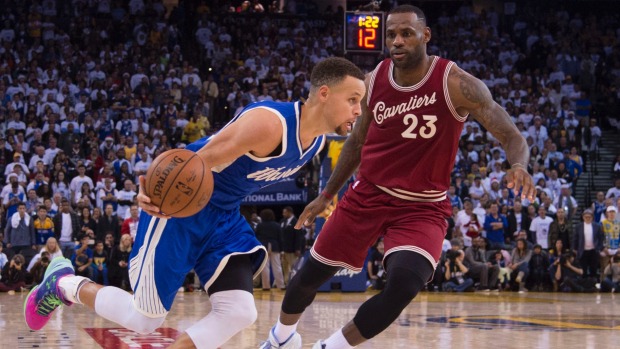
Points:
[(433, 320)]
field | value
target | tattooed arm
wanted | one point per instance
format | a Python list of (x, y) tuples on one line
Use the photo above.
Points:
[(470, 95)]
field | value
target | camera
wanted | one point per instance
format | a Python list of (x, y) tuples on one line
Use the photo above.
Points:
[(564, 258), (451, 255)]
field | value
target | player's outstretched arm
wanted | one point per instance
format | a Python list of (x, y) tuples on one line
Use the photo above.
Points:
[(348, 161), (259, 131), (470, 95)]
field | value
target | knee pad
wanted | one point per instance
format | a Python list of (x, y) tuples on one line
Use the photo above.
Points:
[(124, 311), (231, 312), (144, 324), (235, 305)]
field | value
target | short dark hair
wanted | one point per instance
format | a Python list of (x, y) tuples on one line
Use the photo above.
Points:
[(333, 70), (409, 9), (267, 215)]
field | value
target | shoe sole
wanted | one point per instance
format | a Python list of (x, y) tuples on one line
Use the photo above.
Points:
[(51, 268)]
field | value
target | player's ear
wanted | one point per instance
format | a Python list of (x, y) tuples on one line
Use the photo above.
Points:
[(323, 92), (427, 35)]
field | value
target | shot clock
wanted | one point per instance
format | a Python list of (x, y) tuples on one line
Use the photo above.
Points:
[(363, 32)]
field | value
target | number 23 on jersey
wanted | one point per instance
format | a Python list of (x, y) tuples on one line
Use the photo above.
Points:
[(427, 130)]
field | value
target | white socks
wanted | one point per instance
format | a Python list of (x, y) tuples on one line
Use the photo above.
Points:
[(337, 341), (70, 287), (282, 332)]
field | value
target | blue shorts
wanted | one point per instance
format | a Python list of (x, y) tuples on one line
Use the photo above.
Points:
[(165, 250)]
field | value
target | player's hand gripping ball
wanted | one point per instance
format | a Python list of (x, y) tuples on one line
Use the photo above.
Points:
[(179, 182)]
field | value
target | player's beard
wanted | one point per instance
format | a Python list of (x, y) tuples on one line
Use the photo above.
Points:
[(411, 60), (342, 130)]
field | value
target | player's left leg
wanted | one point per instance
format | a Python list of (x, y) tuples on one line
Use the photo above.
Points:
[(413, 241), (407, 273), (232, 307)]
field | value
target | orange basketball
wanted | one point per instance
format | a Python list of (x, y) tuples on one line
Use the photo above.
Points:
[(179, 182)]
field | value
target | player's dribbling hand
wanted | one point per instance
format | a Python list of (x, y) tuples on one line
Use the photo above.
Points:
[(312, 210), (145, 202), (521, 182)]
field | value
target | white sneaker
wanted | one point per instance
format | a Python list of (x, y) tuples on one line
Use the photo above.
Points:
[(319, 345), (292, 342)]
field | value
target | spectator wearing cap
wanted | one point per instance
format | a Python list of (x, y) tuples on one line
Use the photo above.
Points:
[(588, 243), (17, 160), (107, 147), (611, 231), (495, 192), (566, 200), (570, 122)]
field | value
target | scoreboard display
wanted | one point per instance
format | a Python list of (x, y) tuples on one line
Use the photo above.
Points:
[(363, 31)]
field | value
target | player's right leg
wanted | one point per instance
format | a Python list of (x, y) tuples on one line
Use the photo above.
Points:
[(146, 309)]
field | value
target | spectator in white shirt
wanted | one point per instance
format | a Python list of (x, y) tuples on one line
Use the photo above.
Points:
[(614, 192), (539, 229), (538, 132)]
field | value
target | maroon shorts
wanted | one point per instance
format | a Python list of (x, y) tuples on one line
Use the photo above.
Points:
[(366, 213)]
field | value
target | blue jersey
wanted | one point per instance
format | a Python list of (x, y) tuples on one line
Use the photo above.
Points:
[(165, 250), (247, 174)]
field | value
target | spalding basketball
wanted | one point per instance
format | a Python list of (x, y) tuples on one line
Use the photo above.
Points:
[(179, 182)]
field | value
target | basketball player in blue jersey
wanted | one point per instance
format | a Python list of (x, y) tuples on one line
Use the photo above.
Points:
[(267, 142)]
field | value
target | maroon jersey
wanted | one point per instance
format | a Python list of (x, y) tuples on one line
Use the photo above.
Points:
[(413, 138)]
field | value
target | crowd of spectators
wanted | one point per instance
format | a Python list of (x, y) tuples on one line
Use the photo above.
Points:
[(92, 91)]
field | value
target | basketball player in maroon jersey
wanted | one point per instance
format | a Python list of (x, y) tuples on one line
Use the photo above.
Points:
[(405, 144)]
